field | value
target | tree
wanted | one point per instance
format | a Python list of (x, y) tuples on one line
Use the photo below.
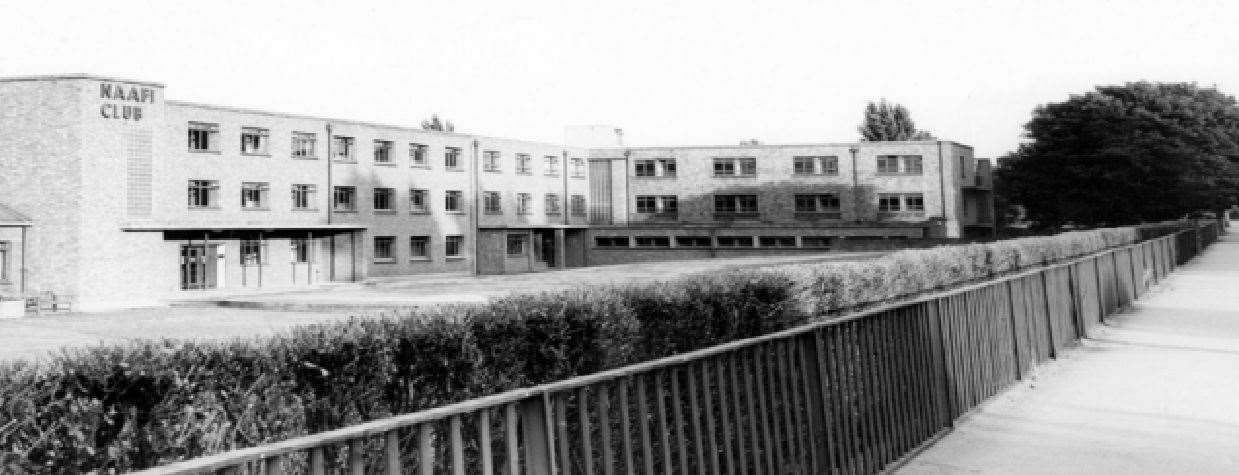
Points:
[(1124, 154), (886, 122), (433, 123)]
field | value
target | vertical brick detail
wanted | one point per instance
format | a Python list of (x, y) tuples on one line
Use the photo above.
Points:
[(138, 176)]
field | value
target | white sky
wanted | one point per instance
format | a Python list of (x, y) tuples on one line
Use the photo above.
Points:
[(667, 72)]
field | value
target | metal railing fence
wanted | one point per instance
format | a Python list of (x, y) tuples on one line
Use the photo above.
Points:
[(853, 394)]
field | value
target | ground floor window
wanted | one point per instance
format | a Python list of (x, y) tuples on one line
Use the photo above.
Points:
[(735, 241), (383, 251), (253, 252), (611, 241), (300, 250), (816, 242), (777, 241), (653, 241), (517, 244), (419, 247), (692, 241), (452, 245)]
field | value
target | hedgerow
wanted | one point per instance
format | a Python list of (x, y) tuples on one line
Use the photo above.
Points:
[(130, 406)]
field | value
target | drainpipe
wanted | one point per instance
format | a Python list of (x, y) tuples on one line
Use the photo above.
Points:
[(330, 195), (942, 186), (627, 190), (25, 275), (476, 216), (567, 203), (855, 186)]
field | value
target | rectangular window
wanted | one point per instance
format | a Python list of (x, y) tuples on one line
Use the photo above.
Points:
[(644, 167), (824, 165), (342, 148), (578, 167), (653, 241), (303, 196), (667, 166), (830, 165), (735, 241), (647, 204), (888, 203), (203, 194), (383, 251), (253, 252), (912, 164), (300, 249), (724, 167), (817, 203), (522, 203), (735, 204), (517, 243), (777, 241), (815, 242), (552, 203), (4, 260), (552, 165), (417, 155), (254, 140), (888, 164), (490, 202), (254, 195), (611, 241), (417, 201), (578, 205), (303, 145), (522, 164), (803, 165), (419, 247), (203, 137), (344, 199), (914, 202), (490, 161), (452, 245), (384, 199), (451, 158), (382, 151), (735, 166), (748, 166), (692, 241), (670, 204), (451, 201)]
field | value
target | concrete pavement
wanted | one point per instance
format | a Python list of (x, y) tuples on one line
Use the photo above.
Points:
[(1154, 390)]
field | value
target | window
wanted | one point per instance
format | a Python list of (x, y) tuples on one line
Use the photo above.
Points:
[(611, 241), (735, 204), (522, 203), (253, 252), (303, 197), (345, 199), (303, 145), (552, 165), (300, 248), (735, 241), (670, 204), (828, 165), (490, 161), (888, 164), (451, 158), (816, 242), (4, 260), (552, 203), (912, 164), (653, 241), (451, 201), (417, 155), (667, 165), (888, 203), (203, 137), (382, 151), (490, 202), (735, 166), (383, 251), (914, 202), (645, 167), (777, 241), (452, 245), (254, 140), (657, 204), (647, 204), (522, 164), (383, 199), (417, 201), (578, 205), (254, 195), (803, 165), (517, 244), (692, 241), (578, 167), (203, 194), (817, 203), (343, 148), (419, 247)]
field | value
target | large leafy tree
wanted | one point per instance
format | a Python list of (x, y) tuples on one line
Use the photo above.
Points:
[(889, 122), (1124, 154)]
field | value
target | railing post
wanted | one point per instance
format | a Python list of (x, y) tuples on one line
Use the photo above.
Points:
[(391, 451), (537, 438), (1015, 329)]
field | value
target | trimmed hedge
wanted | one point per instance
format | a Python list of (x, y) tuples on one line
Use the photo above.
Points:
[(125, 407)]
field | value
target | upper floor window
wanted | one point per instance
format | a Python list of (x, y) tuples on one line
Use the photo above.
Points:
[(254, 195), (490, 203), (343, 148), (578, 205), (667, 204), (417, 201), (417, 155), (552, 165), (382, 151), (522, 203), (735, 166), (384, 199), (805, 165), (203, 194), (735, 204), (911, 164), (384, 248), (419, 247), (522, 164), (303, 196), (888, 203), (817, 203), (453, 245), (451, 201), (552, 203), (303, 145), (490, 160), (578, 167), (203, 137), (451, 157), (254, 140), (914, 202), (907, 203), (344, 199), (664, 167)]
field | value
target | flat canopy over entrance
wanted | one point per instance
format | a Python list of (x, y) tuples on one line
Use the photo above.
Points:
[(9, 217)]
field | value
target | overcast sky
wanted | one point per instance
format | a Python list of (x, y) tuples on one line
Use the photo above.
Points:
[(667, 72)]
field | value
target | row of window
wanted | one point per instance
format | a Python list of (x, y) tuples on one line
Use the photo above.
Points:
[(805, 203), (801, 165), (204, 137), (255, 196), (385, 250), (619, 242)]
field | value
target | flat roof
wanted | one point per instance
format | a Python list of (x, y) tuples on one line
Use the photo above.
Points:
[(74, 76), (240, 227), (790, 145)]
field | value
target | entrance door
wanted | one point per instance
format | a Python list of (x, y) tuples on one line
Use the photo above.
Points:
[(548, 248), (197, 267)]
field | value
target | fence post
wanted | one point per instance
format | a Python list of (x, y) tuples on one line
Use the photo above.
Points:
[(937, 334), (537, 435), (1015, 338), (1051, 338)]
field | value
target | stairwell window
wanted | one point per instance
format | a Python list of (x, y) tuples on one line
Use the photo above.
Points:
[(203, 137), (254, 140)]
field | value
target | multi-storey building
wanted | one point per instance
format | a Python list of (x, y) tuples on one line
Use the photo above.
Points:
[(676, 202), (127, 198)]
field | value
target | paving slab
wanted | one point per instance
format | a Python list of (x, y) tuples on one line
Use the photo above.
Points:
[(1153, 390)]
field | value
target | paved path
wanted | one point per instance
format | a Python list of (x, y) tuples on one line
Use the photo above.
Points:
[(1155, 390)]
